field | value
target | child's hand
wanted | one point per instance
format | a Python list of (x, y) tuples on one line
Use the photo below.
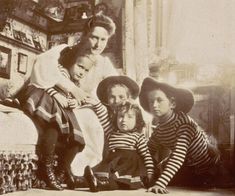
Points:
[(157, 189), (72, 103), (63, 101)]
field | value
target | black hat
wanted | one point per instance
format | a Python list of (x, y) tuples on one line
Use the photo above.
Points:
[(183, 97), (112, 80)]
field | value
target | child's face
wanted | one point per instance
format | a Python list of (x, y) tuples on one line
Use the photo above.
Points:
[(80, 68), (160, 105), (126, 120), (117, 95)]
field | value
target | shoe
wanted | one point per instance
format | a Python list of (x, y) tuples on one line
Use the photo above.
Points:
[(80, 182), (65, 176), (51, 180), (91, 179)]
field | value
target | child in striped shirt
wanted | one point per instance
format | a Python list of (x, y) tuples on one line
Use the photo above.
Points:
[(190, 149), (128, 158)]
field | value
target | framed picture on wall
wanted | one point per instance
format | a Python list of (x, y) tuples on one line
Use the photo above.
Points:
[(5, 62), (16, 35), (22, 63), (37, 44)]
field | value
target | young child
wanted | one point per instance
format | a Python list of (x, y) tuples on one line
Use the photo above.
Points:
[(177, 131), (112, 92), (53, 110), (128, 159)]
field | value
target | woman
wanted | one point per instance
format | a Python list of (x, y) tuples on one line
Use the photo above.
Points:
[(96, 33)]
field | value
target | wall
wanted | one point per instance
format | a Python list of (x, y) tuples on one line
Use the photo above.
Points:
[(9, 87)]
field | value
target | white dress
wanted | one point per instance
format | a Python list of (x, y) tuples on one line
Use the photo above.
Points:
[(92, 130), (45, 74)]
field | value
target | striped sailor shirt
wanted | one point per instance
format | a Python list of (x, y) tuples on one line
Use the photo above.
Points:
[(188, 144), (120, 140)]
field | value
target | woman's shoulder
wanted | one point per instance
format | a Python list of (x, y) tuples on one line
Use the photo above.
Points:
[(53, 51), (105, 67), (103, 60)]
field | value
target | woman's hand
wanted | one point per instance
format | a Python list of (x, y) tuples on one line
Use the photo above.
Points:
[(63, 101), (80, 95), (73, 103), (157, 189)]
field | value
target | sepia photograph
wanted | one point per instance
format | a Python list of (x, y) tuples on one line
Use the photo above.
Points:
[(117, 97)]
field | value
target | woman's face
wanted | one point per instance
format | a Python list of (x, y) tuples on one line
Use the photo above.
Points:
[(117, 95), (80, 68), (126, 120), (160, 105), (97, 40)]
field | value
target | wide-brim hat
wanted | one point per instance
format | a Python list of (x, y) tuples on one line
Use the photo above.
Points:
[(112, 80), (183, 97)]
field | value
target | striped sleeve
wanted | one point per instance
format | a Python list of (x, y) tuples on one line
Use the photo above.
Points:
[(51, 91), (103, 116), (144, 152), (177, 157)]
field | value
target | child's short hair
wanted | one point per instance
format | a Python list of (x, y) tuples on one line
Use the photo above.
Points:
[(126, 107)]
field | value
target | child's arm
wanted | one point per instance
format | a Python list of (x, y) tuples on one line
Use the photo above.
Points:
[(62, 100), (154, 148), (104, 118), (176, 159), (143, 150)]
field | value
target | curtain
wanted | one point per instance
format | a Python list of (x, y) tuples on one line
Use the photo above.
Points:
[(201, 31)]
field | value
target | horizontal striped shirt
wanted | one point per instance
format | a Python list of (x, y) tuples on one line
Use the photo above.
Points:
[(132, 141), (188, 144), (124, 140)]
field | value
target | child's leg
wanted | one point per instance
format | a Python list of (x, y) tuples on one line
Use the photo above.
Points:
[(64, 164), (48, 142)]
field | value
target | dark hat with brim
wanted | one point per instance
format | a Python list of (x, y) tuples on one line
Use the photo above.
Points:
[(112, 80), (183, 97)]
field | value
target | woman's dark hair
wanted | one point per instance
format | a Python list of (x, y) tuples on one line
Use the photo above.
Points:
[(101, 21), (140, 124)]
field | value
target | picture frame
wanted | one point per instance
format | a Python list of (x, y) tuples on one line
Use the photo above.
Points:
[(37, 45), (22, 63), (5, 62), (77, 9), (23, 37), (16, 35)]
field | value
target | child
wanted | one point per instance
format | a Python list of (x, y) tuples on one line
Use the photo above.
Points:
[(53, 110), (189, 145), (112, 92), (123, 167)]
